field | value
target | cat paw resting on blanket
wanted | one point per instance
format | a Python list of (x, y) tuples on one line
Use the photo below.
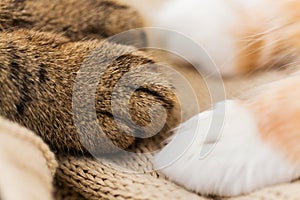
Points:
[(43, 45), (258, 144)]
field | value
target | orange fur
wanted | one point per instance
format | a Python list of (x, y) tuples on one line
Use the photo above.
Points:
[(267, 41), (291, 10), (285, 41), (249, 42), (249, 53), (277, 113)]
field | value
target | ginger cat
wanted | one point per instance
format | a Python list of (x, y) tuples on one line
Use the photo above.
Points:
[(258, 145)]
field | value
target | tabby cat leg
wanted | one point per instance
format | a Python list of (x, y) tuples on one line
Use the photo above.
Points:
[(258, 145), (75, 19), (39, 88)]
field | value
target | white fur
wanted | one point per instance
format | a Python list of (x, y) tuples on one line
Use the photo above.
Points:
[(238, 161), (208, 23), (215, 26)]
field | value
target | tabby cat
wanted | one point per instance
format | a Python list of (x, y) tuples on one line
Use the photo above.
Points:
[(45, 46)]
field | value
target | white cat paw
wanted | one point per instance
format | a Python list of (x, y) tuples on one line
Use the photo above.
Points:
[(210, 154)]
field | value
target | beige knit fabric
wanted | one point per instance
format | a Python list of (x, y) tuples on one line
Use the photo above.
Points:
[(27, 165), (83, 178)]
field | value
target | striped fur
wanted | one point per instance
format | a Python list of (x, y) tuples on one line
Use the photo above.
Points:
[(43, 44)]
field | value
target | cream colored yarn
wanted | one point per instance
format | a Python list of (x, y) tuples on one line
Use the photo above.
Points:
[(27, 165)]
